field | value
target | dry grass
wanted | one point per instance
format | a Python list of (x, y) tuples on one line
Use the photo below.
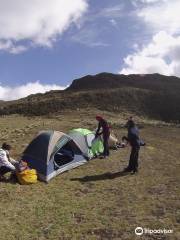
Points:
[(94, 201)]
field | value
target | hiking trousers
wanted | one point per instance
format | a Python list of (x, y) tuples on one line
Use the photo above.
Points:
[(5, 169), (106, 145), (133, 161)]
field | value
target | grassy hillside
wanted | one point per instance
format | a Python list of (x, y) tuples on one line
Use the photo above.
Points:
[(154, 96), (95, 201)]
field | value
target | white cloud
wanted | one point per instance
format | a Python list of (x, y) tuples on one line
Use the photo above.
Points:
[(162, 53), (38, 22), (11, 48), (10, 93), (164, 15), (138, 64)]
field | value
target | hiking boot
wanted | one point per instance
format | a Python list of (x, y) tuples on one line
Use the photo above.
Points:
[(127, 169), (135, 171)]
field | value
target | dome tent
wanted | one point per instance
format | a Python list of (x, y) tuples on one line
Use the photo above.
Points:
[(51, 153), (90, 146)]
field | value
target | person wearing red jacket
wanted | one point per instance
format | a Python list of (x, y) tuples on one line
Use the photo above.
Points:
[(104, 130)]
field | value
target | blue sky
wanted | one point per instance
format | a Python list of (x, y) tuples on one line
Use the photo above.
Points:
[(46, 44)]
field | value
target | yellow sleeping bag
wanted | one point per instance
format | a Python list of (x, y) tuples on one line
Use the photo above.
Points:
[(27, 176)]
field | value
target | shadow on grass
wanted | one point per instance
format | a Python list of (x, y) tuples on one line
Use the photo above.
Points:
[(104, 176)]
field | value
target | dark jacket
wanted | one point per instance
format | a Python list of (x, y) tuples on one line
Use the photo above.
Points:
[(133, 137), (105, 128)]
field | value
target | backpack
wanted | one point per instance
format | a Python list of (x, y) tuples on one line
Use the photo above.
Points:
[(28, 176)]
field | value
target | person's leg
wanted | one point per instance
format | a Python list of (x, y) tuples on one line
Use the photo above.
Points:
[(106, 146), (130, 166), (3, 171), (135, 162)]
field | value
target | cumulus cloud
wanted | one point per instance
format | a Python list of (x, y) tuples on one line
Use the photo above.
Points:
[(37, 22), (164, 15), (137, 64), (10, 93), (162, 53)]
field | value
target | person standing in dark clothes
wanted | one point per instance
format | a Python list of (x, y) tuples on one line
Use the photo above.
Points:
[(134, 141), (103, 129)]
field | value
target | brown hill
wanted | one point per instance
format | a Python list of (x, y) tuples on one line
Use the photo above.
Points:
[(153, 95), (109, 80)]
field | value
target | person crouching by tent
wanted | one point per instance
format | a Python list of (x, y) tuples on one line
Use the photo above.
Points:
[(134, 141), (103, 129), (7, 164)]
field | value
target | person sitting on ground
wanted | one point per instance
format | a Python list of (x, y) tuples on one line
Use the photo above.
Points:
[(134, 141), (103, 129), (7, 164)]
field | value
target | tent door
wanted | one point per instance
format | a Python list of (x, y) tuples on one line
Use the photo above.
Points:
[(62, 158), (65, 155)]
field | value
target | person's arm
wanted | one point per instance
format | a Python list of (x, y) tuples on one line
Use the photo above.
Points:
[(10, 165), (11, 160), (98, 129)]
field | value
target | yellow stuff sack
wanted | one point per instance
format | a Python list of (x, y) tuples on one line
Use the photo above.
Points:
[(27, 176)]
